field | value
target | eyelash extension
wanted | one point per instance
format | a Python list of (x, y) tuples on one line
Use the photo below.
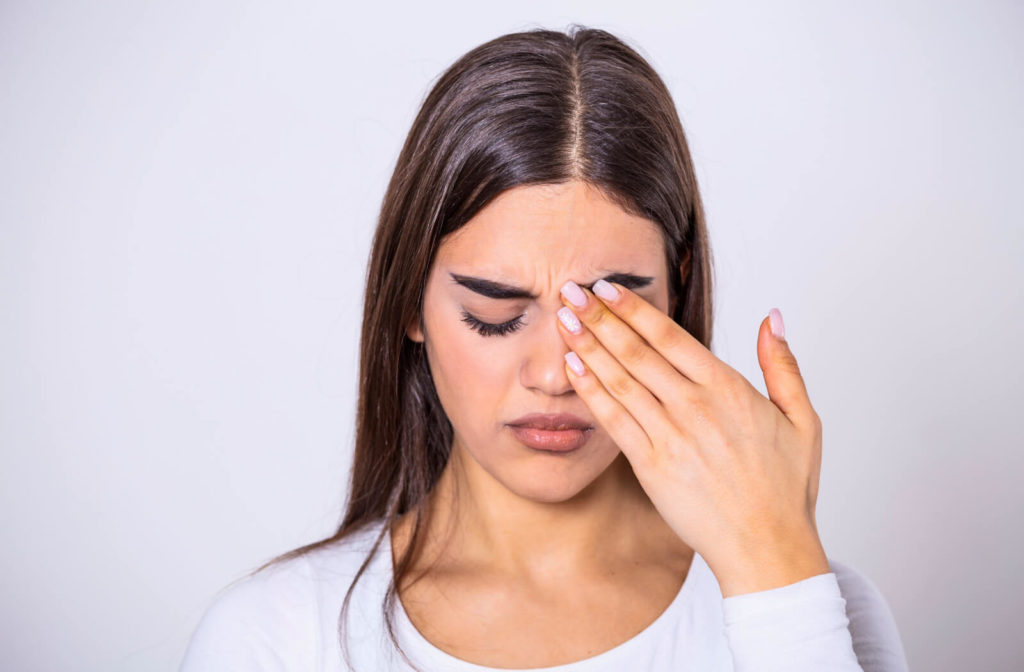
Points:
[(488, 329)]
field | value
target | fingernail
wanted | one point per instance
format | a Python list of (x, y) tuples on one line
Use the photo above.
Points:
[(569, 319), (606, 290), (775, 321), (574, 362), (574, 294)]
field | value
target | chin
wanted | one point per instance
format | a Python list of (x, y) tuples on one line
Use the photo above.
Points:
[(553, 486), (555, 495)]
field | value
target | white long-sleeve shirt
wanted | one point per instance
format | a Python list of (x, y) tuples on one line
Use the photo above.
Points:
[(286, 618)]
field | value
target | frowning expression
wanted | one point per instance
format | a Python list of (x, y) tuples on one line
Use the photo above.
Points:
[(491, 334)]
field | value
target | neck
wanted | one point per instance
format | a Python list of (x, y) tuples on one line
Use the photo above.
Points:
[(477, 522)]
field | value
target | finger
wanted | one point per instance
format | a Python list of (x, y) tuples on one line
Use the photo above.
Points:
[(782, 377), (622, 427), (637, 356), (631, 394), (678, 346)]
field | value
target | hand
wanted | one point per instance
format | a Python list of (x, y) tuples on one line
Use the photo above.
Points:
[(733, 473)]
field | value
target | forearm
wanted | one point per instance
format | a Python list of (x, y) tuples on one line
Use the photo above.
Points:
[(801, 627)]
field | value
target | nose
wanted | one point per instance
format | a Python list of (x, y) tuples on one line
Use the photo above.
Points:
[(543, 367)]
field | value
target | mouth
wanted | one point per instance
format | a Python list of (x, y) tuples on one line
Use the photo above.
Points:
[(552, 440), (552, 422)]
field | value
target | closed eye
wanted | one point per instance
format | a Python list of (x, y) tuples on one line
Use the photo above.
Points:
[(488, 329)]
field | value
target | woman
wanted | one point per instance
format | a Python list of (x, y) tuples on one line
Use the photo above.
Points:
[(552, 470)]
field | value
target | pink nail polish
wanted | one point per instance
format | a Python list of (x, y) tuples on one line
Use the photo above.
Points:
[(606, 290), (569, 319), (574, 294), (574, 362), (775, 321)]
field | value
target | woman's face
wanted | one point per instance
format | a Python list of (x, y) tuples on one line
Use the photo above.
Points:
[(534, 238)]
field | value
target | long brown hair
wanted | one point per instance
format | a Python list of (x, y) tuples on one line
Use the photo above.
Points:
[(533, 107)]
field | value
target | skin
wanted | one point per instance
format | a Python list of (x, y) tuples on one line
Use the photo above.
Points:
[(534, 559)]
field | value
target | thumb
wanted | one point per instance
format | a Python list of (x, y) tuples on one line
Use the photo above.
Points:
[(782, 375)]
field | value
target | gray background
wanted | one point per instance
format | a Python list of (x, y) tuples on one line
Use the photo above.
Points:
[(188, 191)]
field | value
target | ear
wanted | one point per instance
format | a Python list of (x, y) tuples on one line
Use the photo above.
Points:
[(684, 279), (684, 268), (414, 331)]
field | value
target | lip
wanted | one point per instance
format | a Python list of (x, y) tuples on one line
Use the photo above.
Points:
[(552, 421), (552, 440), (552, 432)]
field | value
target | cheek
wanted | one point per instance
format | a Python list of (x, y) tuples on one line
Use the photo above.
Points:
[(472, 374)]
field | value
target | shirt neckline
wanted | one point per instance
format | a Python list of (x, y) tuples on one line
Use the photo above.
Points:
[(616, 658)]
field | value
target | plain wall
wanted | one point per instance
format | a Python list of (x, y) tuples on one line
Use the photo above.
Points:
[(187, 195)]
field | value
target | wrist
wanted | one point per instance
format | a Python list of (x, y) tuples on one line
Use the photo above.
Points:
[(768, 567)]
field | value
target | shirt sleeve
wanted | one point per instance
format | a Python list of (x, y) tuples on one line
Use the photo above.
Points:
[(811, 626), (876, 638), (263, 623)]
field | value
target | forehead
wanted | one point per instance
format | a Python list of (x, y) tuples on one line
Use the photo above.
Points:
[(572, 225)]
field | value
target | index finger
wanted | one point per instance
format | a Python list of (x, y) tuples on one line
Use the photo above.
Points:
[(675, 344)]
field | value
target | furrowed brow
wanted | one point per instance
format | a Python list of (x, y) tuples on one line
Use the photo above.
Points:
[(497, 290)]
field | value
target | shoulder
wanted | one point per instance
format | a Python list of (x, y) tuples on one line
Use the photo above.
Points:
[(259, 622), (876, 637), (269, 619)]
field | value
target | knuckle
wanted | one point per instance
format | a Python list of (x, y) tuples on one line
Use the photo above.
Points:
[(816, 422), (620, 386), (627, 308), (708, 371), (587, 346), (788, 363), (635, 352), (670, 337), (700, 410), (599, 317), (733, 386)]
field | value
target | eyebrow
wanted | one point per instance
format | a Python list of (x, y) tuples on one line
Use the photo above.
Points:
[(497, 290)]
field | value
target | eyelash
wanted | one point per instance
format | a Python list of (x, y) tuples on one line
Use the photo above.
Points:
[(488, 329)]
